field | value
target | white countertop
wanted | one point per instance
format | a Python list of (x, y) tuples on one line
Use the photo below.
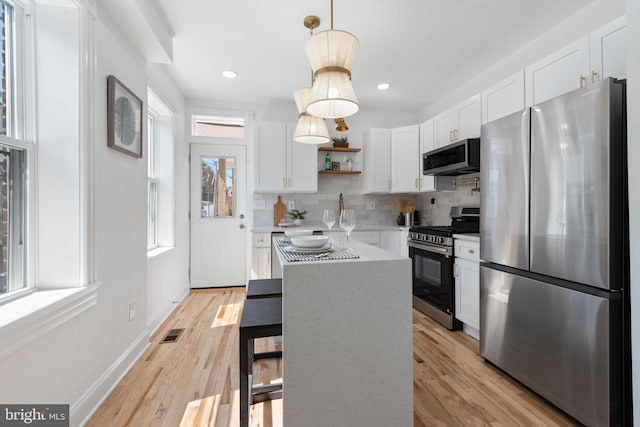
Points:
[(323, 228), (474, 237), (364, 251)]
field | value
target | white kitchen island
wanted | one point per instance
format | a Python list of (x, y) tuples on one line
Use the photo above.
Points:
[(347, 338)]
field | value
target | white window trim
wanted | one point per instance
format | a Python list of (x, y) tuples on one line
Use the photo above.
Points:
[(25, 319)]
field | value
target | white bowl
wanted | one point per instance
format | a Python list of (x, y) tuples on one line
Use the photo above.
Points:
[(295, 233), (310, 241)]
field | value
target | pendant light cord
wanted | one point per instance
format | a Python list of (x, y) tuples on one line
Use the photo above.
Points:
[(332, 14)]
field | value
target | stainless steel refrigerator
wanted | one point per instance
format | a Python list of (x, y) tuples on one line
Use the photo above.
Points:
[(554, 250)]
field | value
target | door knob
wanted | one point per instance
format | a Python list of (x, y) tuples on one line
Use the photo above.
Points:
[(241, 226), (241, 216)]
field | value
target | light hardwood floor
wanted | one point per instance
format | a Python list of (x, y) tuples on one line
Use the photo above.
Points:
[(194, 382)]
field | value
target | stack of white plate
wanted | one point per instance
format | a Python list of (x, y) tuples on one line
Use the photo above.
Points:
[(311, 243)]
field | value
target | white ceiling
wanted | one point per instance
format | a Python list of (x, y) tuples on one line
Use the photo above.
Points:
[(423, 48)]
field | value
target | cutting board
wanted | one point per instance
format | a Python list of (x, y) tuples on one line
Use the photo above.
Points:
[(279, 211)]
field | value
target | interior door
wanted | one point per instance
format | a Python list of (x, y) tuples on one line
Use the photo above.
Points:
[(218, 198)]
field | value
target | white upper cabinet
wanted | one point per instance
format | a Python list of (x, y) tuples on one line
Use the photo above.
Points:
[(270, 156), (608, 47), (377, 165), (427, 143), (503, 98), (558, 73), (302, 165), (405, 151), (600, 54), (460, 122), (443, 128), (468, 118), (282, 164)]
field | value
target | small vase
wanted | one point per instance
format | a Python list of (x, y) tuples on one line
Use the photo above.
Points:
[(297, 221), (400, 219)]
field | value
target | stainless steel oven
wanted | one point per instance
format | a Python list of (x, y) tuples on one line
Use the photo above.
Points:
[(431, 253), (433, 282)]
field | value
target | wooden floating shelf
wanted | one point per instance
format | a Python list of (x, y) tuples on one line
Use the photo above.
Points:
[(345, 150), (340, 172)]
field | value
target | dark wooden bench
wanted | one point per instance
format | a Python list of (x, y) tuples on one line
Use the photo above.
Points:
[(261, 318), (264, 288)]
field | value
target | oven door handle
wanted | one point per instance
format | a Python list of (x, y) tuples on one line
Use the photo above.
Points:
[(430, 248)]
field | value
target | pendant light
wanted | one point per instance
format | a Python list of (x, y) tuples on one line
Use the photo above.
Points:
[(310, 129), (331, 54)]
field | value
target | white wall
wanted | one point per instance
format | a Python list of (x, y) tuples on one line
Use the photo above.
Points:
[(81, 360), (580, 24), (167, 274), (633, 138)]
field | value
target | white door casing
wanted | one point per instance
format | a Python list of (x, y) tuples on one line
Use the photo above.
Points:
[(218, 211)]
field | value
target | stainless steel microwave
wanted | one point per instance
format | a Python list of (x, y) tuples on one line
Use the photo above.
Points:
[(458, 158)]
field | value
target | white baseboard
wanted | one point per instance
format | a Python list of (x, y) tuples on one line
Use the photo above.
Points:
[(154, 324), (83, 409), (470, 330)]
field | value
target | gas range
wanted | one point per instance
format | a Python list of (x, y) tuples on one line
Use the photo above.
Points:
[(463, 220)]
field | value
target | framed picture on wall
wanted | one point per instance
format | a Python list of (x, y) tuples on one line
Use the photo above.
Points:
[(124, 118)]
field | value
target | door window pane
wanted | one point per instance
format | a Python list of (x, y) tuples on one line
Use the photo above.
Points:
[(218, 187)]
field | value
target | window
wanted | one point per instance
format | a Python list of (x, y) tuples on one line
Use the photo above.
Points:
[(221, 127), (152, 185), (161, 175), (13, 165)]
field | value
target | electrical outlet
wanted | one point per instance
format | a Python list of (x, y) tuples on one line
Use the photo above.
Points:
[(259, 204), (132, 311), (291, 204), (371, 205)]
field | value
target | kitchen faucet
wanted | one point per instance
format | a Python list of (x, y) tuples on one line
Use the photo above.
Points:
[(340, 206)]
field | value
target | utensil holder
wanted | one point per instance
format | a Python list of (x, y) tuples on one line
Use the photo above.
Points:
[(408, 219)]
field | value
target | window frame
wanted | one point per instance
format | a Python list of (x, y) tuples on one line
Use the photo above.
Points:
[(153, 183), (162, 154), (19, 137)]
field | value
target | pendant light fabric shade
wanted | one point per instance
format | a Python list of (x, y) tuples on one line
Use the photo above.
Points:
[(310, 129), (331, 54)]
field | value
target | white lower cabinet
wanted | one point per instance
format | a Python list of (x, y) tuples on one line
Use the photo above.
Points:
[(390, 241), (404, 242), (467, 285), (368, 237), (261, 256)]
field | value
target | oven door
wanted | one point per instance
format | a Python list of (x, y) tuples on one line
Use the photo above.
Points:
[(433, 274)]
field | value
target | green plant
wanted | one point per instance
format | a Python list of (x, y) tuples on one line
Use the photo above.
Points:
[(296, 214), (340, 139)]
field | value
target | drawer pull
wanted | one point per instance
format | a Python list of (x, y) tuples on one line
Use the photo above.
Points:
[(471, 251)]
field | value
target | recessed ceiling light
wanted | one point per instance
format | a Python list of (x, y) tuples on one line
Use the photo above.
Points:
[(229, 74), (384, 86)]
